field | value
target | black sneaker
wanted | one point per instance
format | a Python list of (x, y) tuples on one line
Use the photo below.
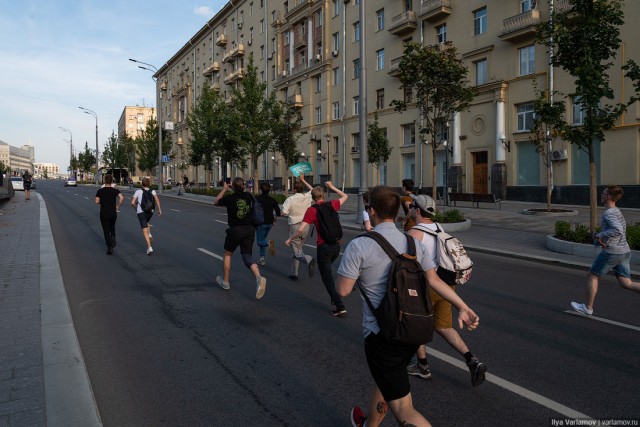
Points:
[(312, 267), (340, 311), (293, 277), (477, 369)]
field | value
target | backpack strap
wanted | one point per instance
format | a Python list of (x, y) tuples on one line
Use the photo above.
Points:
[(424, 229)]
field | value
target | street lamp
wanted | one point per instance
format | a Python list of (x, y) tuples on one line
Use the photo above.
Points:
[(70, 149), (93, 113), (447, 151), (154, 70)]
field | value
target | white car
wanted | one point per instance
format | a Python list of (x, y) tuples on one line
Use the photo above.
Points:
[(71, 182), (16, 182)]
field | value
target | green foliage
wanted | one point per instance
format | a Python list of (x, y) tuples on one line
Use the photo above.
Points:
[(146, 144), (378, 147), (449, 216), (580, 233), (563, 230), (287, 132), (633, 236)]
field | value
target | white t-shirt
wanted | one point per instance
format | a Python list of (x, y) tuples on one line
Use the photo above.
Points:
[(365, 216), (429, 242), (296, 205), (138, 197)]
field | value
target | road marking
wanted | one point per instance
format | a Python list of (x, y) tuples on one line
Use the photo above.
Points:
[(175, 210), (210, 253), (603, 320), (221, 222), (86, 198), (514, 388)]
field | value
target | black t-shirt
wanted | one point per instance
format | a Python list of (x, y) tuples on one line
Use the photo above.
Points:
[(238, 208), (26, 177), (108, 197), (269, 204)]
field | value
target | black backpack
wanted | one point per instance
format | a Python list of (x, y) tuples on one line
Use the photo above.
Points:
[(147, 203), (329, 225), (405, 314), (257, 212)]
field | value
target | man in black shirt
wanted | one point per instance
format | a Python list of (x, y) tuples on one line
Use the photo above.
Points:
[(110, 199), (269, 205), (27, 179), (240, 233)]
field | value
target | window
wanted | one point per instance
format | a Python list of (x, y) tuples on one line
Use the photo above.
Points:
[(182, 108), (480, 21), (262, 26), (481, 72), (578, 111), (408, 95), (336, 111), (526, 5), (527, 60), (336, 41), (317, 82), (318, 115), (528, 164), (409, 134), (336, 7), (356, 32), (380, 59), (274, 16), (580, 164), (287, 38), (356, 68), (380, 20), (441, 33), (355, 138), (525, 117), (262, 51), (409, 166), (336, 75), (356, 105), (380, 99)]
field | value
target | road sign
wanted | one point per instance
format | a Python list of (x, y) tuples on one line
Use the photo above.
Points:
[(165, 159)]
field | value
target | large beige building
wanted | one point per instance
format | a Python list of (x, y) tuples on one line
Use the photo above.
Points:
[(309, 53), (15, 159), (132, 122)]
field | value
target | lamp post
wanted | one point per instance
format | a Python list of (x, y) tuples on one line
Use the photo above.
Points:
[(70, 149), (154, 70), (93, 113)]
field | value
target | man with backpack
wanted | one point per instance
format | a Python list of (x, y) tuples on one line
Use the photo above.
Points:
[(144, 201), (324, 215), (368, 264), (423, 209)]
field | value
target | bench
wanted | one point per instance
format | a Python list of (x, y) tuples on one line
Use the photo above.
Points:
[(475, 198)]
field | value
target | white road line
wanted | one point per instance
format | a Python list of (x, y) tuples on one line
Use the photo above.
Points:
[(86, 198), (514, 388), (603, 320), (210, 253), (175, 210), (221, 222)]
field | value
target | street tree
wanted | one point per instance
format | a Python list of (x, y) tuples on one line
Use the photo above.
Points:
[(253, 116), (86, 158), (115, 156), (547, 126), (584, 40), (438, 77), (147, 146), (287, 133), (378, 147)]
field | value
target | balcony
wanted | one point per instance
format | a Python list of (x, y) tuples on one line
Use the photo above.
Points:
[(404, 23), (435, 10), (215, 87), (295, 9), (228, 56), (394, 68), (221, 40), (236, 75), (238, 51), (213, 68), (520, 26), (300, 40), (295, 100)]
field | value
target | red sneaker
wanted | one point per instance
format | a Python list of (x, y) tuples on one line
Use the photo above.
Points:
[(357, 417)]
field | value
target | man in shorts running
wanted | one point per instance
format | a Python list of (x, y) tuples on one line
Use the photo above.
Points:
[(144, 217)]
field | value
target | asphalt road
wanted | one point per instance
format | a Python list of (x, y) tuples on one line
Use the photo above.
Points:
[(164, 345)]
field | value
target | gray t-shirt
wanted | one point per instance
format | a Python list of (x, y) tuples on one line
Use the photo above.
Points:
[(365, 261)]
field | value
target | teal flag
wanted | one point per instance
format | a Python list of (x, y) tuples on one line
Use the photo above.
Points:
[(303, 167)]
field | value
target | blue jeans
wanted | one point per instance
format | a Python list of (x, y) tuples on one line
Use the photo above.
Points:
[(261, 237), (606, 261), (328, 253)]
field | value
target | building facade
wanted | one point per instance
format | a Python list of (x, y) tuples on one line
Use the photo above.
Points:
[(308, 51), (15, 159), (51, 169), (132, 122)]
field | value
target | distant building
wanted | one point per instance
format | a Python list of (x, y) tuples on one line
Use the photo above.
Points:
[(132, 122), (52, 169), (15, 159)]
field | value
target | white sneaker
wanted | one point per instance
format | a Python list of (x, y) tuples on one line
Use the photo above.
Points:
[(581, 308), (224, 285), (149, 250), (261, 287), (262, 261)]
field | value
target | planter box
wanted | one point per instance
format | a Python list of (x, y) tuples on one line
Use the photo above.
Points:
[(577, 249)]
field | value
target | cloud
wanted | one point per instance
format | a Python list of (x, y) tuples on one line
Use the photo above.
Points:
[(205, 11)]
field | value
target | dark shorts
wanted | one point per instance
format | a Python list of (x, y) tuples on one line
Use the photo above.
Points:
[(27, 186), (388, 365), (144, 218), (240, 235)]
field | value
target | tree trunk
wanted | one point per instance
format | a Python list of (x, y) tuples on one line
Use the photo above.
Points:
[(593, 192), (434, 190)]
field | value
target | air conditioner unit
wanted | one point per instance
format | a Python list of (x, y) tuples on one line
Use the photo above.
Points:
[(284, 73), (313, 137), (334, 52), (318, 57), (355, 149), (559, 155)]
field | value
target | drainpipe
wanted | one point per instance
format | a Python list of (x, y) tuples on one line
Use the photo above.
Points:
[(549, 158)]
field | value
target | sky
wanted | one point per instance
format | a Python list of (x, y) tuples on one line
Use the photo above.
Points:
[(56, 56)]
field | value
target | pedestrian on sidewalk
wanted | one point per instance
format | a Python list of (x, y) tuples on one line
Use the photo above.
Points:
[(369, 266), (294, 207), (407, 198), (145, 214), (27, 179), (423, 210), (110, 199), (270, 207), (366, 221), (615, 254), (241, 233), (327, 251)]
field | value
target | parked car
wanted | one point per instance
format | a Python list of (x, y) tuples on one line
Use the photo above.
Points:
[(33, 184), (71, 182), (16, 182)]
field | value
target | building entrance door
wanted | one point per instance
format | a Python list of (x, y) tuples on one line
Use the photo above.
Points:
[(480, 172)]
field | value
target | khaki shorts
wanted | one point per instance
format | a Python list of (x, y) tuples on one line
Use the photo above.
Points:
[(441, 310)]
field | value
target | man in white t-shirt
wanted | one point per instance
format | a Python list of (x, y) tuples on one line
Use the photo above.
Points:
[(423, 209), (145, 216), (294, 207)]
